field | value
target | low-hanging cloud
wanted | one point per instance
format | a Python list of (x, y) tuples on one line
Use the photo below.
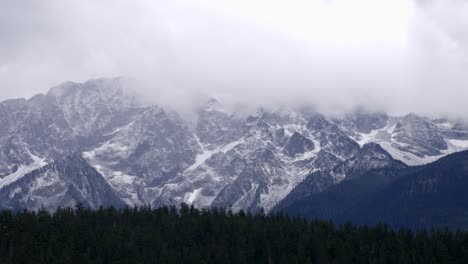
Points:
[(336, 55)]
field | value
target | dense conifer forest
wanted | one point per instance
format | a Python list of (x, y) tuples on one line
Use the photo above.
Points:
[(189, 235)]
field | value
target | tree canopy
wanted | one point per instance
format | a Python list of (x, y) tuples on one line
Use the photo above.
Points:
[(190, 235)]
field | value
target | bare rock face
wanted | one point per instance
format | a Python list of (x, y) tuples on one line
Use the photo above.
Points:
[(298, 144), (64, 182)]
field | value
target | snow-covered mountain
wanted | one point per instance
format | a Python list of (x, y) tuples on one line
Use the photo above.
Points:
[(144, 154), (64, 182)]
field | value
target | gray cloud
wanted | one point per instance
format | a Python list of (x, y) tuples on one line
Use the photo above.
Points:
[(398, 56)]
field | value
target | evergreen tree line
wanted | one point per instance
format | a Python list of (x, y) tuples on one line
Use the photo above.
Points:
[(190, 235)]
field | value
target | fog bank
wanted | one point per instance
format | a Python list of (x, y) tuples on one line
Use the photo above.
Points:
[(385, 55)]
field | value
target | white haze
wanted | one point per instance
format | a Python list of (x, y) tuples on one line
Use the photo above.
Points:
[(336, 55)]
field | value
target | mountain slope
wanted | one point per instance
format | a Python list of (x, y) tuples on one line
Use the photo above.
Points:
[(370, 157), (424, 196), (64, 182)]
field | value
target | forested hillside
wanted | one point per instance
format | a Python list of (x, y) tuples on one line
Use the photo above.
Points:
[(189, 235), (433, 195)]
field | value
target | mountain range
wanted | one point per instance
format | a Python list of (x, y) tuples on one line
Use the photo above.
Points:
[(96, 143)]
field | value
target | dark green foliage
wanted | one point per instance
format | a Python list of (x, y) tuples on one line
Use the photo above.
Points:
[(189, 235)]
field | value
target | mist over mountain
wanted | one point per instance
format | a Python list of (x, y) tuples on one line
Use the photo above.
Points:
[(234, 131), (121, 150), (225, 104), (391, 56)]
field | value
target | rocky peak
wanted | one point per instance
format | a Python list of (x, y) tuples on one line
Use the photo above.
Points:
[(419, 136), (212, 104), (92, 106), (365, 122), (298, 144), (64, 182), (318, 122)]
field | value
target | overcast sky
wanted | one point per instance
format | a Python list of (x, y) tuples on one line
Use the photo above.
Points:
[(392, 55)]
